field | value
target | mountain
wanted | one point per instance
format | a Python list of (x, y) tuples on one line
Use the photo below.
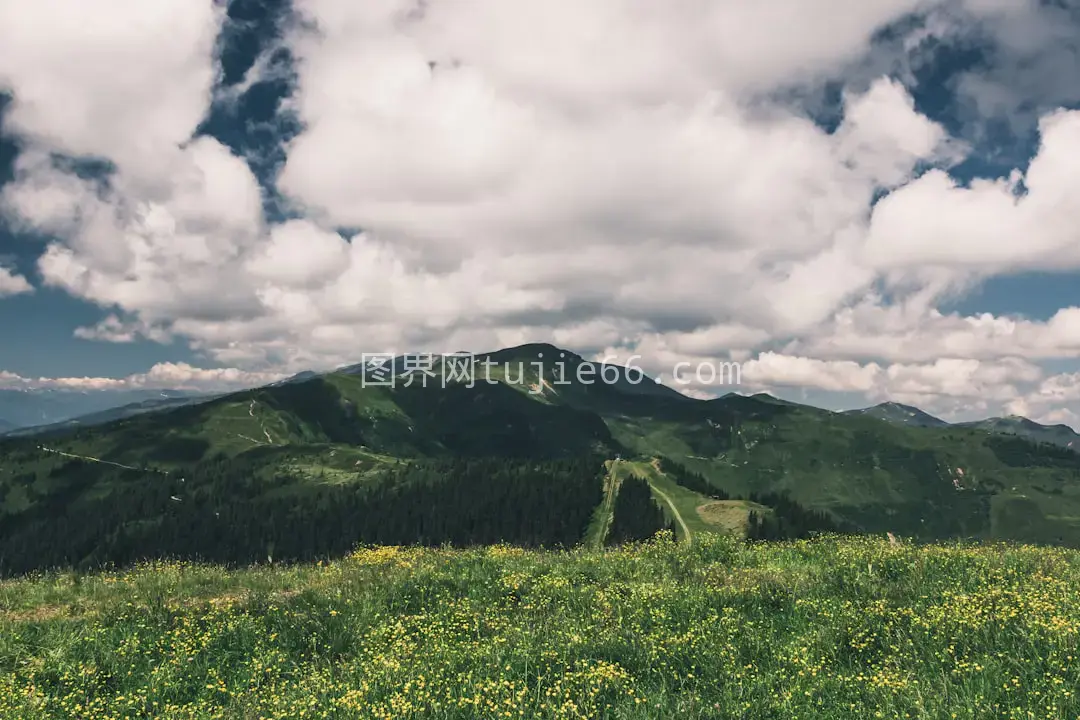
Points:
[(527, 449), (297, 378), (27, 408), (6, 426), (1061, 435), (900, 414), (559, 368)]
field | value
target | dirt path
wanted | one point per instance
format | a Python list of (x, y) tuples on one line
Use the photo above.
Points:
[(611, 487), (91, 459), (675, 512)]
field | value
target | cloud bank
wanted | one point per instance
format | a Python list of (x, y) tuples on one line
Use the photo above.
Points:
[(163, 376)]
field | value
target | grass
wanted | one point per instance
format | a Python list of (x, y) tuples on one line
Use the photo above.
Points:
[(730, 516), (826, 628)]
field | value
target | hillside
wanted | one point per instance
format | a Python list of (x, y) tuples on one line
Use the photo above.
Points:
[(828, 628), (308, 468), (897, 414)]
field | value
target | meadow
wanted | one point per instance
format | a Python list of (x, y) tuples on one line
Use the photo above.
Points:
[(830, 627)]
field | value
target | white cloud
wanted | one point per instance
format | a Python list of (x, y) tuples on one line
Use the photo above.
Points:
[(964, 378), (123, 80), (885, 137), (917, 333), (162, 255), (989, 227), (771, 369), (115, 330), (13, 284)]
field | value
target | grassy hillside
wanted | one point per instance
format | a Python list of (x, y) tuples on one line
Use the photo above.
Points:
[(1061, 435), (928, 482), (332, 442), (829, 628)]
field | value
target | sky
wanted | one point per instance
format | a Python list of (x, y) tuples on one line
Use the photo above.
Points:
[(858, 201)]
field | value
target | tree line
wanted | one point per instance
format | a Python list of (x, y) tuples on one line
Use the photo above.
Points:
[(789, 520), (225, 511), (691, 480), (636, 514)]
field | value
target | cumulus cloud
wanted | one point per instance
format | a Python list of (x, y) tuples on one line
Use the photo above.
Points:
[(13, 284), (917, 333), (611, 175), (993, 225), (123, 80), (964, 378), (773, 369)]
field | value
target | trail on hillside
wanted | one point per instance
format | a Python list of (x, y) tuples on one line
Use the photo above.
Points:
[(678, 516), (262, 426), (98, 460), (675, 512), (640, 472), (607, 510)]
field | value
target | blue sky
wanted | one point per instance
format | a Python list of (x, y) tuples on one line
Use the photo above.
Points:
[(284, 186)]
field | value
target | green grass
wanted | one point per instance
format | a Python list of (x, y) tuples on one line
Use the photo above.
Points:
[(826, 628), (731, 516)]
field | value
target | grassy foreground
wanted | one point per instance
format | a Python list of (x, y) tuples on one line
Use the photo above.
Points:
[(827, 628)]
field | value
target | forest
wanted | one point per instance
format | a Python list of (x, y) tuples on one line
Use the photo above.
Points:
[(223, 511)]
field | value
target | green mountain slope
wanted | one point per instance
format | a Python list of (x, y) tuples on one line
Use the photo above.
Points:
[(300, 449), (1061, 435)]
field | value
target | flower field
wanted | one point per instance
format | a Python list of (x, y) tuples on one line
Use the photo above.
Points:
[(825, 628)]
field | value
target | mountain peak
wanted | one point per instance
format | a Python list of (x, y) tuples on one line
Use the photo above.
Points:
[(537, 351), (899, 414)]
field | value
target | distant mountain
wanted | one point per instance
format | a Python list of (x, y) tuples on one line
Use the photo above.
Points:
[(900, 415), (297, 378), (559, 368), (6, 426), (158, 404), (1061, 435), (27, 408)]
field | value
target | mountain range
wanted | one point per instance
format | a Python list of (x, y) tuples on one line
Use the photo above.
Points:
[(24, 408), (296, 450), (31, 412), (899, 414)]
